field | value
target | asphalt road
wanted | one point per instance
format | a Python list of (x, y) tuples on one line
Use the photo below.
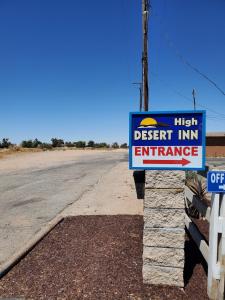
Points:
[(30, 197)]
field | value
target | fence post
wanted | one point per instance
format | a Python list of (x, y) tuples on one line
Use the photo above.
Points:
[(213, 273), (221, 252)]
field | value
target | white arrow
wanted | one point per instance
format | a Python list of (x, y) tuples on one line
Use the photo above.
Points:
[(222, 187)]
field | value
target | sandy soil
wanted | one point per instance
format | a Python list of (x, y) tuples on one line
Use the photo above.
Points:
[(18, 161), (114, 194)]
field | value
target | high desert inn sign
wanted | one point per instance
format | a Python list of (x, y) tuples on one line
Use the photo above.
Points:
[(167, 140)]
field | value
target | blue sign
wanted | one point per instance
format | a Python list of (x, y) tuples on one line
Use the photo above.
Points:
[(216, 181), (167, 140)]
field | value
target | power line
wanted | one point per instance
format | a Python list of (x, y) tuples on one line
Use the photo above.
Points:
[(187, 63), (219, 115), (184, 60)]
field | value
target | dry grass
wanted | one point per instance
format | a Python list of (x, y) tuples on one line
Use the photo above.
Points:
[(13, 150), (20, 150)]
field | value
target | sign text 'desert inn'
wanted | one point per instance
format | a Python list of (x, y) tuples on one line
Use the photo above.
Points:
[(167, 140)]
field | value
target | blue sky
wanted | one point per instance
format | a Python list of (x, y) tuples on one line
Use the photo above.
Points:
[(67, 67)]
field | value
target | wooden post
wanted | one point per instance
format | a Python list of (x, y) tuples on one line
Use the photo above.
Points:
[(145, 12)]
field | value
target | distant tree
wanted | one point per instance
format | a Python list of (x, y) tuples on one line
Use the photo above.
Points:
[(115, 145), (91, 144), (27, 144), (36, 143), (80, 144), (45, 146), (31, 143), (5, 143), (101, 145), (124, 146), (57, 142), (69, 144)]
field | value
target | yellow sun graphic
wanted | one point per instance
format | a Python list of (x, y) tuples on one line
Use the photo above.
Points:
[(151, 123), (148, 122)]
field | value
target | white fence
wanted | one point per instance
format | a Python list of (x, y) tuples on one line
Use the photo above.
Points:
[(214, 252)]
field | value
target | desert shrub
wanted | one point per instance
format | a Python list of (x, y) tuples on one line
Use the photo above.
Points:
[(101, 145), (69, 144), (27, 144), (57, 142), (80, 144), (124, 146), (36, 143), (45, 146), (91, 144), (31, 143), (115, 145), (5, 143)]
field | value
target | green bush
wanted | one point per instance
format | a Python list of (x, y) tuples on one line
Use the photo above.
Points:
[(45, 146), (101, 145), (124, 146), (57, 142), (27, 144), (36, 143), (69, 144), (5, 143), (91, 144), (31, 143), (115, 145), (80, 144)]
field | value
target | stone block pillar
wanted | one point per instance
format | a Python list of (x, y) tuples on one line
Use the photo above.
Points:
[(164, 233)]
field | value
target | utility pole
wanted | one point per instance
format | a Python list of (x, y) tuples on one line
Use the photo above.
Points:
[(140, 94), (145, 13), (194, 102)]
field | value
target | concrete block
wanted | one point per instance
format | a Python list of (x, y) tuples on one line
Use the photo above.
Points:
[(163, 218), (163, 275), (164, 237), (164, 198), (164, 179), (168, 257)]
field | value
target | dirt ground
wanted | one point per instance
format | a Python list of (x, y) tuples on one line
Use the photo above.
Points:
[(97, 257), (114, 194), (42, 159)]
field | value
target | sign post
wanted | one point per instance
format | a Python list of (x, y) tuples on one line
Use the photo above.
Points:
[(167, 140)]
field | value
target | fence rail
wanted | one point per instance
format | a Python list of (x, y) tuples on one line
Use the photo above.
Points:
[(214, 252), (197, 237)]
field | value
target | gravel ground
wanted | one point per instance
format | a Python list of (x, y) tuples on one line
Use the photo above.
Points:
[(97, 257)]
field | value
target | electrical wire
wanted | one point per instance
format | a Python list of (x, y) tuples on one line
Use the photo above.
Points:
[(183, 59), (217, 114), (187, 63)]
